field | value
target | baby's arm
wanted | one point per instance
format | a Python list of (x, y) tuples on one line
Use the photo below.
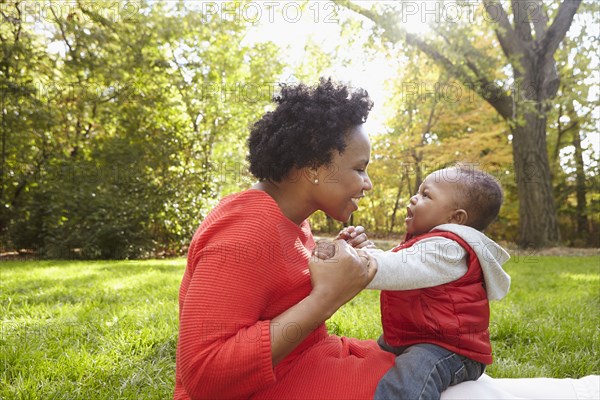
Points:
[(430, 262)]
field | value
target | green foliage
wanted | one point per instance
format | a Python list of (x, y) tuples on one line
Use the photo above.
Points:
[(119, 143), (108, 329), (446, 107), (434, 122), (572, 126), (124, 124), (509, 60)]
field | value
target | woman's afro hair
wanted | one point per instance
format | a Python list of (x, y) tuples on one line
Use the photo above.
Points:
[(307, 125)]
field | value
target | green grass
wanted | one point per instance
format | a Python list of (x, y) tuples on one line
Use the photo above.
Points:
[(89, 330), (108, 330)]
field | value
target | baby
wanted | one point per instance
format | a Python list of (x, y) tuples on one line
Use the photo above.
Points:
[(436, 284)]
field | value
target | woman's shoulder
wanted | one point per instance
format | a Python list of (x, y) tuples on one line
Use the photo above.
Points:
[(250, 203), (252, 220), (251, 212)]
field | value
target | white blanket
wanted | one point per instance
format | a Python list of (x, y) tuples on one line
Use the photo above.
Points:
[(486, 387)]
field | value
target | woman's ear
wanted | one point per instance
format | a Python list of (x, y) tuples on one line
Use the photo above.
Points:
[(313, 175), (459, 216)]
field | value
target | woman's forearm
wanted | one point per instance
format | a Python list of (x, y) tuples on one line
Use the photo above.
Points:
[(292, 326)]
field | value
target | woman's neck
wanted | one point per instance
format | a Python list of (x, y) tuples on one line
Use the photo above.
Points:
[(291, 198)]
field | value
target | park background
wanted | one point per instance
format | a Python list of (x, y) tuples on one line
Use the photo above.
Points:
[(124, 123)]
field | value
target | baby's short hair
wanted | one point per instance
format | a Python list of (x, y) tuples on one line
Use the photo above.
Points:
[(480, 194)]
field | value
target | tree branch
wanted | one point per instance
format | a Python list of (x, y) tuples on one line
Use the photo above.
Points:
[(469, 53), (430, 120), (540, 20), (509, 41), (63, 34), (499, 99), (521, 19), (557, 31), (559, 134)]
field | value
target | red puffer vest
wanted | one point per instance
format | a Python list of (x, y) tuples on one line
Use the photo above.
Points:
[(454, 316)]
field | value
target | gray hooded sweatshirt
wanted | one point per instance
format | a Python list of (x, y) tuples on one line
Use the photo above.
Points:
[(435, 261)]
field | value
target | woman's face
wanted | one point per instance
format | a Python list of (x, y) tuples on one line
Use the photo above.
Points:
[(343, 182)]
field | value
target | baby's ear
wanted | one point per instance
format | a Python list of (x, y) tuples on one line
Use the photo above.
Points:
[(460, 217)]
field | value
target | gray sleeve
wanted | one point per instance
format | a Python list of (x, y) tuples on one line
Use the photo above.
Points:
[(430, 262)]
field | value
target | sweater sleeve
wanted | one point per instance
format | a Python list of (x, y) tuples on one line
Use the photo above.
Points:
[(430, 262), (224, 348)]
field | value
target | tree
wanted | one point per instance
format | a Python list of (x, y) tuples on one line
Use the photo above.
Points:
[(26, 116), (570, 121), (529, 45)]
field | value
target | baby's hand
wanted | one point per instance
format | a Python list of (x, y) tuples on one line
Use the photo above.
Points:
[(356, 237), (324, 249)]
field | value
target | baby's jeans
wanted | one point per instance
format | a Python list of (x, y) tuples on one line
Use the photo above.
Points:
[(424, 371)]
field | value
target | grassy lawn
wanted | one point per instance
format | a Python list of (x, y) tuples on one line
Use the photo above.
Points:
[(89, 330), (108, 330)]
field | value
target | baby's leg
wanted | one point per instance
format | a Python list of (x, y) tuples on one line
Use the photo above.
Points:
[(424, 371)]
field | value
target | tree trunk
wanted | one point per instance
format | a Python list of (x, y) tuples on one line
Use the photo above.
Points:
[(537, 212), (582, 222), (3, 212), (396, 205), (418, 179)]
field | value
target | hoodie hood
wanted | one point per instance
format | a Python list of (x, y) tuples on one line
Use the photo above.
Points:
[(491, 257)]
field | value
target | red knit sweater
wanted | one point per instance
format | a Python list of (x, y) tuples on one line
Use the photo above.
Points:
[(248, 263)]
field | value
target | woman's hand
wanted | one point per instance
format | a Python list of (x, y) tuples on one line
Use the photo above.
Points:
[(356, 237), (338, 273)]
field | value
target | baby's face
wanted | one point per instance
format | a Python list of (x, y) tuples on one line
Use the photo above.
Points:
[(434, 204)]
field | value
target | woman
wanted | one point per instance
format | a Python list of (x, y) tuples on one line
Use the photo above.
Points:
[(251, 312)]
